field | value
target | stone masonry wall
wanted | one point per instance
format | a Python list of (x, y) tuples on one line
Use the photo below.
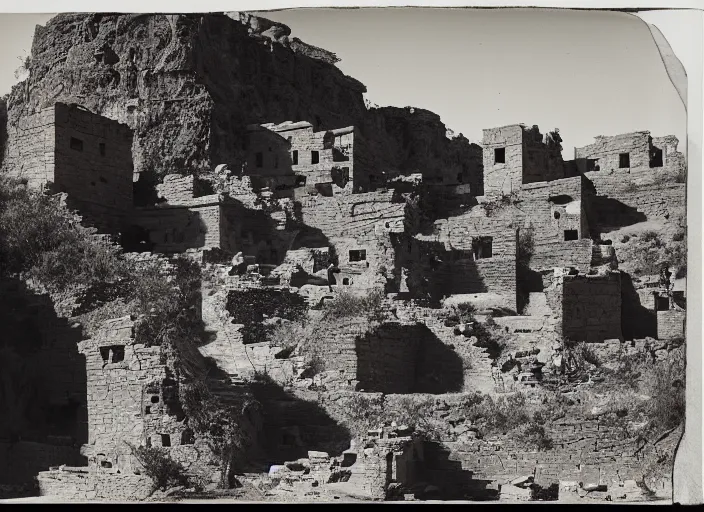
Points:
[(671, 324), (30, 148), (503, 178), (76, 484), (589, 306)]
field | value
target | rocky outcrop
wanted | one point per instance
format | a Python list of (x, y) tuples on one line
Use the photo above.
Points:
[(188, 85)]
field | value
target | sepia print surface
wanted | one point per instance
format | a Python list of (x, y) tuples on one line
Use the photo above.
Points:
[(227, 274)]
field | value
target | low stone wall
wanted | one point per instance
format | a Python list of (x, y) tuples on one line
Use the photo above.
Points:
[(75, 484)]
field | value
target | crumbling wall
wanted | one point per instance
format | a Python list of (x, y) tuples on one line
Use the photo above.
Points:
[(77, 484), (29, 152), (128, 397)]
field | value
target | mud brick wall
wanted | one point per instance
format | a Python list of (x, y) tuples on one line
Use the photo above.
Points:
[(75, 484), (29, 152), (21, 461), (540, 163), (268, 152), (671, 324), (589, 307)]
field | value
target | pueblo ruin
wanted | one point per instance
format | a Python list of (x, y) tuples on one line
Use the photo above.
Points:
[(375, 311)]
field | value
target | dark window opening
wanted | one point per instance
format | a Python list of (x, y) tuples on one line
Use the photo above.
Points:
[(482, 247), (76, 144), (148, 409), (187, 437), (500, 155), (101, 147), (118, 353), (155, 399), (105, 464), (259, 159), (314, 157), (561, 199), (571, 234), (149, 442), (662, 303), (624, 160), (165, 440), (294, 157), (358, 255), (592, 164), (556, 215), (346, 281), (300, 181), (656, 157), (105, 353)]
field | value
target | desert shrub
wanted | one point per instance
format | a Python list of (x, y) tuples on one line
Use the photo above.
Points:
[(650, 236), (526, 245), (168, 301), (496, 205), (681, 176), (533, 436), (40, 237), (346, 304), (252, 307), (667, 389), (160, 467), (224, 427), (678, 236), (416, 412), (625, 238)]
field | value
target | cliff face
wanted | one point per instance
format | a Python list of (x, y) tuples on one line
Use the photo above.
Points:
[(188, 85)]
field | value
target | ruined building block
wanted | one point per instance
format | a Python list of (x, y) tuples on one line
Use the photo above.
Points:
[(515, 155), (326, 162), (65, 148)]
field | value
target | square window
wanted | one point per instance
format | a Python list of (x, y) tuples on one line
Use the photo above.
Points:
[(259, 157), (482, 247), (105, 353), (76, 144), (358, 255), (571, 234), (118, 354), (294, 157), (592, 164), (624, 160), (500, 155), (165, 440), (662, 303), (314, 157)]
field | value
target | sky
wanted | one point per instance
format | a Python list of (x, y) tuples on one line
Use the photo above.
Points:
[(587, 73)]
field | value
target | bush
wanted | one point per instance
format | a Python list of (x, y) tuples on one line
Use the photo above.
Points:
[(346, 305), (625, 238), (40, 237), (160, 467), (224, 427), (667, 389), (533, 436)]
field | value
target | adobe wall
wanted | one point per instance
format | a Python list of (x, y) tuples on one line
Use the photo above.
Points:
[(29, 152)]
